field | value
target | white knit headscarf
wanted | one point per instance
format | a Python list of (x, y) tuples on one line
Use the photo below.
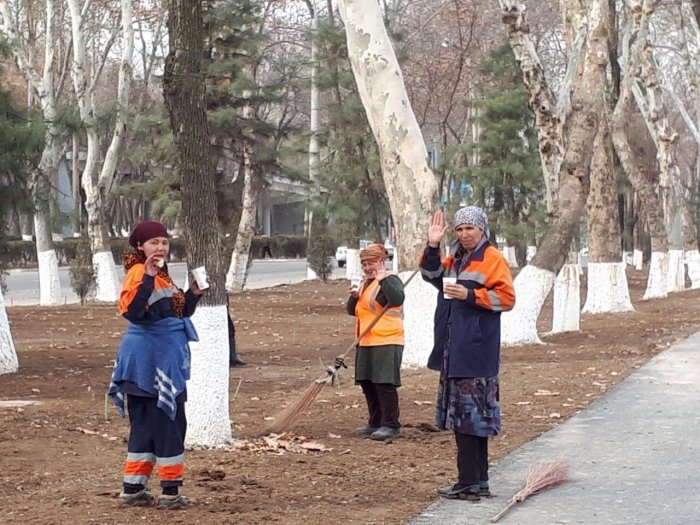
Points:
[(475, 216)]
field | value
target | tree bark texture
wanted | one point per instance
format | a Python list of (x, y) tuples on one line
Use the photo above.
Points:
[(124, 83), (410, 184), (240, 258), (588, 103), (540, 98), (184, 90), (604, 238)]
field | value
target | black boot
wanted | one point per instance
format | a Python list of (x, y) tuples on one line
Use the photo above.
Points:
[(233, 359)]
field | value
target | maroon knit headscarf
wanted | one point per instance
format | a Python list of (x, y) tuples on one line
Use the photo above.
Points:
[(146, 231)]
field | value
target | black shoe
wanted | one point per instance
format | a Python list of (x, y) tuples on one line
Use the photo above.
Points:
[(366, 431), (468, 493), (237, 362), (385, 433)]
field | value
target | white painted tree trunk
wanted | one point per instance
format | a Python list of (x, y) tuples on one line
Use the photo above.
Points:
[(610, 294), (509, 255), (49, 282), (107, 285), (208, 423), (657, 282), (567, 300), (352, 263), (638, 260), (676, 271), (419, 311), (692, 260), (410, 184), (519, 326), (530, 253), (8, 355)]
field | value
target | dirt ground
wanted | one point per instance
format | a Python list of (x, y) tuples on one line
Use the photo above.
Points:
[(60, 460)]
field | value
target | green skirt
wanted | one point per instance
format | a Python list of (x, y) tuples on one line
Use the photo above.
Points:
[(379, 364)]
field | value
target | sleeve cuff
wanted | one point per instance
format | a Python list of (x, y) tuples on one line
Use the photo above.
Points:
[(471, 297)]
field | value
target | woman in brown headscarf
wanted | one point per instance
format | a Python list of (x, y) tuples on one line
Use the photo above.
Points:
[(379, 353)]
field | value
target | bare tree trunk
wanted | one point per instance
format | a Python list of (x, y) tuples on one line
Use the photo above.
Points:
[(410, 184), (106, 178), (541, 100), (184, 90), (240, 258), (75, 186)]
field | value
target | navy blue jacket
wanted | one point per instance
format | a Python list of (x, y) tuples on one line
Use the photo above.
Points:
[(471, 329)]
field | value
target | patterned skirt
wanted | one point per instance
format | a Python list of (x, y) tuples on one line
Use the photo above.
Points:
[(468, 405)]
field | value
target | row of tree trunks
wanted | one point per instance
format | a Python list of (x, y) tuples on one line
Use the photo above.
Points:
[(631, 152), (535, 281)]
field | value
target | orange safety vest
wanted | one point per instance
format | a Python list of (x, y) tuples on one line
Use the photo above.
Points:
[(388, 330)]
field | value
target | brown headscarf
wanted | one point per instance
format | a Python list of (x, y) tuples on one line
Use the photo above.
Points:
[(373, 252)]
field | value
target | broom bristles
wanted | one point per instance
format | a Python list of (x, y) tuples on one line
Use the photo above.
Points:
[(542, 477), (288, 416)]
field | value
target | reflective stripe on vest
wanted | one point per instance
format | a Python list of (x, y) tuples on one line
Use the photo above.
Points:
[(388, 330)]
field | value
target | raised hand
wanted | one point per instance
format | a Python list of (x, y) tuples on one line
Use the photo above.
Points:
[(436, 229)]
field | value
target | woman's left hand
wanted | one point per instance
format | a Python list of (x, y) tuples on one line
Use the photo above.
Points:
[(456, 291)]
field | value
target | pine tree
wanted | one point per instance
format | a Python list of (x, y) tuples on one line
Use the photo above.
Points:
[(507, 181), (351, 175)]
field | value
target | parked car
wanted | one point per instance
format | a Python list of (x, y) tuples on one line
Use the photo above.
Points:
[(341, 256), (341, 252)]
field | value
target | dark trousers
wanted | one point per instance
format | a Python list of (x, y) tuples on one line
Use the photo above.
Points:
[(154, 438), (382, 404), (472, 459)]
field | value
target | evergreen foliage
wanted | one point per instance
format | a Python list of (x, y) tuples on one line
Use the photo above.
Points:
[(82, 272), (21, 143), (507, 180), (350, 172), (321, 249), (250, 87)]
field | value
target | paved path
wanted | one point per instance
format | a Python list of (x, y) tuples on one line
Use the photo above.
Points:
[(635, 456)]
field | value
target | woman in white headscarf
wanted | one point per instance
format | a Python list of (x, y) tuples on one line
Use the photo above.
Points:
[(467, 341)]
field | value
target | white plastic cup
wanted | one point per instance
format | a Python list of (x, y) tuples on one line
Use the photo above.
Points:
[(447, 280), (355, 282), (200, 276)]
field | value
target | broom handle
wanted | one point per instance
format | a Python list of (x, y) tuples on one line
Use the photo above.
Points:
[(505, 511), (374, 321)]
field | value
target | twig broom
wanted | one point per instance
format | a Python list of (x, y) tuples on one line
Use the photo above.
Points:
[(539, 478), (288, 416)]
